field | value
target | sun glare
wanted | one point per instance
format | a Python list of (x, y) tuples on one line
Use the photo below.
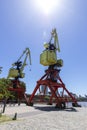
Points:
[(47, 6)]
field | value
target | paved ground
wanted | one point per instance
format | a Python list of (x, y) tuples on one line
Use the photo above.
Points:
[(43, 117), (25, 111)]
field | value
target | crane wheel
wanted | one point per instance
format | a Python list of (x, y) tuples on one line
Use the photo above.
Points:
[(61, 105)]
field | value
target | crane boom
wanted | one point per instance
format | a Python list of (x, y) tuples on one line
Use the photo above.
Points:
[(56, 41), (27, 52)]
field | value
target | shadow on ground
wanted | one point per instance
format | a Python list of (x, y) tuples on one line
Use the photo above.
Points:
[(47, 108)]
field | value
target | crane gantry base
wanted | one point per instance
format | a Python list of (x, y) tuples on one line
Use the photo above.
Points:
[(18, 91), (54, 83)]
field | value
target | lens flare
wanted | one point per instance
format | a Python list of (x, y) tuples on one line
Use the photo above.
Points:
[(47, 6)]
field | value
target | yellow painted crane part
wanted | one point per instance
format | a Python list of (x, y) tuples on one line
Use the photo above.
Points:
[(49, 56), (56, 41), (18, 71)]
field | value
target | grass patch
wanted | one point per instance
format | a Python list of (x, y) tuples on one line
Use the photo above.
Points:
[(4, 118)]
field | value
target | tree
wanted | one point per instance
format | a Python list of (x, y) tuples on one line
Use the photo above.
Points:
[(4, 84), (85, 95), (4, 93)]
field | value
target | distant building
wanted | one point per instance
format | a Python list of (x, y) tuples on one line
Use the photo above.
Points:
[(44, 89), (74, 95)]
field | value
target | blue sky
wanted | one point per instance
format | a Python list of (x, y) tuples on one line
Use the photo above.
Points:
[(23, 24)]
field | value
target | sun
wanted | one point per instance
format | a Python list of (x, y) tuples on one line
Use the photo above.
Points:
[(47, 6)]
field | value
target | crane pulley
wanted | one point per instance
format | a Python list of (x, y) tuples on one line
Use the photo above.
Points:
[(17, 68)]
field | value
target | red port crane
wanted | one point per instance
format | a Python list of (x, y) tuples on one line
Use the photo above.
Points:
[(51, 79)]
